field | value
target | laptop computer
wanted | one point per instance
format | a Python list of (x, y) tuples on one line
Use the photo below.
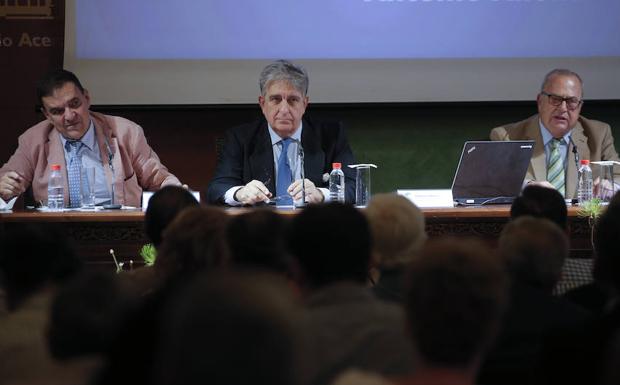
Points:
[(491, 172)]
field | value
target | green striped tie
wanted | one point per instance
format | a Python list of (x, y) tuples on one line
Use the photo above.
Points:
[(555, 168)]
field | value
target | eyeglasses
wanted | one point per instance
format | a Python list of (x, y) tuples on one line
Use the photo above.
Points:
[(572, 103)]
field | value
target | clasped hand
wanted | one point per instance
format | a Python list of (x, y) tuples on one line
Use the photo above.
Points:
[(255, 192)]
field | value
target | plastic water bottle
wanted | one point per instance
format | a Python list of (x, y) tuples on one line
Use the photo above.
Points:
[(336, 183), (55, 190), (584, 182)]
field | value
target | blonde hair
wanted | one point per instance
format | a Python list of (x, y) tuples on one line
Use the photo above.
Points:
[(397, 227)]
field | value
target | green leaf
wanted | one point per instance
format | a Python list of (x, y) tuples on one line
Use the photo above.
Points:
[(591, 209), (148, 254)]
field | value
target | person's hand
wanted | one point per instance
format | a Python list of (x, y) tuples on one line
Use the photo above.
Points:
[(313, 194), (253, 192), (11, 185), (602, 189)]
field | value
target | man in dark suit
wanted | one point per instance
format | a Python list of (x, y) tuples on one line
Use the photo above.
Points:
[(253, 168)]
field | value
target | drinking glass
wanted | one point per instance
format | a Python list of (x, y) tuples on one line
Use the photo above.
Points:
[(88, 187)]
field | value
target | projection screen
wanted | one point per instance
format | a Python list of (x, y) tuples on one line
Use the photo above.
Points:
[(356, 51)]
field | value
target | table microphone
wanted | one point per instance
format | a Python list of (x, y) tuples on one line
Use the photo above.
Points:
[(576, 157), (300, 152)]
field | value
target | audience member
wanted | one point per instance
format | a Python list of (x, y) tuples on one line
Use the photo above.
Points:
[(35, 261), (584, 356), (457, 292), (193, 242), (87, 314), (346, 325), (230, 328), (163, 207), (256, 240), (397, 228), (456, 296), (541, 202), (533, 251)]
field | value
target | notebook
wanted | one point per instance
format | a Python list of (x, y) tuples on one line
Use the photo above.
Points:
[(491, 172)]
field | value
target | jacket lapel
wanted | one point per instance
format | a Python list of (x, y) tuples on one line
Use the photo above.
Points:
[(261, 159), (538, 166), (314, 157)]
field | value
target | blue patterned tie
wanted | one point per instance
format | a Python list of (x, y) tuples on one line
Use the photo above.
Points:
[(73, 172), (285, 176)]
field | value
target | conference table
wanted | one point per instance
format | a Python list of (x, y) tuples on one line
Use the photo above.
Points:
[(95, 233)]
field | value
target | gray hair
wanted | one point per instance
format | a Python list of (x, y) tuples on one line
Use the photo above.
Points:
[(295, 74), (561, 72)]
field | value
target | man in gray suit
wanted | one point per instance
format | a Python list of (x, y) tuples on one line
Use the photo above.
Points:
[(562, 135)]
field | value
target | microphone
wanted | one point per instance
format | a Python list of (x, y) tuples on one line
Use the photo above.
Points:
[(300, 153), (576, 157), (575, 152)]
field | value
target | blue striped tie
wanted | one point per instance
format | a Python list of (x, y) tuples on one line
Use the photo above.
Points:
[(285, 176), (73, 172), (555, 168)]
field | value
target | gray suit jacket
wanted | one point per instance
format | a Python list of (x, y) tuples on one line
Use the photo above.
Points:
[(592, 139)]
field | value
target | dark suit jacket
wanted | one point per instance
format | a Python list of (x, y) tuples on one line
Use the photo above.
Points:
[(248, 155)]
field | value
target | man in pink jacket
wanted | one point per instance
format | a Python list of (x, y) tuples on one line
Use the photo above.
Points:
[(124, 162)]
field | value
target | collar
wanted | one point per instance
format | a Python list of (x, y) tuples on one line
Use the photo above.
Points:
[(275, 138), (546, 135), (88, 139)]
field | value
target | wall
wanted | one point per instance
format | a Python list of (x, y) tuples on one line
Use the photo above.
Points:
[(414, 145)]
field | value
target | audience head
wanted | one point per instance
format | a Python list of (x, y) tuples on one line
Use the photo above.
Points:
[(455, 299), (397, 227), (194, 241), (256, 239), (34, 256), (606, 236), (86, 315), (163, 207), (330, 243), (230, 328), (534, 250), (541, 202)]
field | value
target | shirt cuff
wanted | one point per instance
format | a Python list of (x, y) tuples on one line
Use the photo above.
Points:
[(325, 192), (229, 196)]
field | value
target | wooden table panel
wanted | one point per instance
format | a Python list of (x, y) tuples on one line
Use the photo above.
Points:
[(95, 233)]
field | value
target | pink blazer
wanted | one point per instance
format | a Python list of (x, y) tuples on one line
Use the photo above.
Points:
[(136, 166)]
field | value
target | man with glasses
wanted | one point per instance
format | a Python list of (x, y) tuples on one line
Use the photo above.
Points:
[(562, 135), (284, 156)]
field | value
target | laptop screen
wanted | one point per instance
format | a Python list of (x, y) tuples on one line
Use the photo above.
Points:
[(491, 171)]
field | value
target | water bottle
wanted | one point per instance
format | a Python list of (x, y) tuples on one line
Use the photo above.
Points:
[(55, 190), (336, 183), (584, 182)]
